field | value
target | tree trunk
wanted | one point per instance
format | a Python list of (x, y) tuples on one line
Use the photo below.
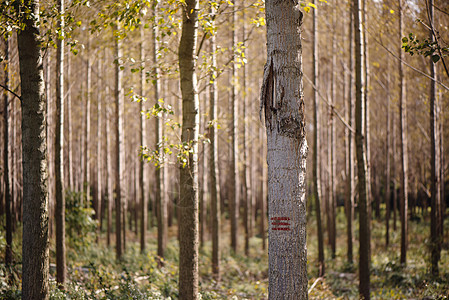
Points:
[(162, 215), (119, 148), (246, 151), (283, 104), (188, 204), (435, 220), (99, 202), (235, 180), (388, 162), (332, 146), (263, 192), (213, 158), (86, 181), (68, 123), (349, 203), (59, 155), (6, 178), (403, 151), (316, 147), (364, 232), (142, 137), (35, 262)]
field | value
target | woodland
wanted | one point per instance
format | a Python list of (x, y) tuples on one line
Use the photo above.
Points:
[(224, 149)]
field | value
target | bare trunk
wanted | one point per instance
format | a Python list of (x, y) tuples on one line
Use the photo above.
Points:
[(59, 156), (119, 149), (316, 147), (35, 262), (403, 151), (142, 129), (283, 104), (364, 232), (388, 162), (213, 160), (235, 180), (435, 220), (188, 204), (86, 181)]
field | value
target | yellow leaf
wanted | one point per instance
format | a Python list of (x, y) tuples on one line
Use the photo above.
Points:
[(391, 11), (307, 9)]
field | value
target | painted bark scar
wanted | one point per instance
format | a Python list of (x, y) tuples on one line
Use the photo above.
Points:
[(266, 94)]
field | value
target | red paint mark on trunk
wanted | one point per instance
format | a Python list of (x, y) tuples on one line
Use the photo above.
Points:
[(280, 223)]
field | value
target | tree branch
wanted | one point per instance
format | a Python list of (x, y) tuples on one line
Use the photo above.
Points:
[(12, 92)]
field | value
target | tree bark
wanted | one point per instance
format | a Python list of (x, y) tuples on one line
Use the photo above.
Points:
[(213, 158), (35, 262), (188, 204), (59, 156), (162, 215), (403, 151), (283, 104), (435, 220), (143, 138), (235, 180), (364, 232), (6, 178), (316, 147), (119, 148)]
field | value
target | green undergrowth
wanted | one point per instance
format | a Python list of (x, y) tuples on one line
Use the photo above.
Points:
[(95, 273)]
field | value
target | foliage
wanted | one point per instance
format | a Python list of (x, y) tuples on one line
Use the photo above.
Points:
[(80, 225), (412, 45)]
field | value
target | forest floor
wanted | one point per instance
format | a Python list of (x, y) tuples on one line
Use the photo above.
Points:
[(93, 272)]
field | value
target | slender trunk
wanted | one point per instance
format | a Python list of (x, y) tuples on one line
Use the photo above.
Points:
[(6, 179), (119, 149), (316, 147), (142, 137), (188, 204), (213, 158), (162, 215), (35, 261), (69, 127), (99, 202), (364, 232), (235, 181), (388, 163), (110, 188), (263, 193), (435, 220), (403, 139), (283, 104), (86, 181), (349, 203), (332, 147), (59, 156), (246, 151)]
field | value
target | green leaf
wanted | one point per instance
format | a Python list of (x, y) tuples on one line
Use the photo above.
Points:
[(435, 58)]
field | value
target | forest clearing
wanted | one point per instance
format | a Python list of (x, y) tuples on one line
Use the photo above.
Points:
[(224, 149)]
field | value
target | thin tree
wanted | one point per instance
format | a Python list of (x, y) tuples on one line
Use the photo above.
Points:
[(6, 178), (188, 204), (435, 219), (213, 156), (59, 154), (316, 147), (35, 262), (403, 141), (235, 182), (364, 232), (119, 147), (161, 174), (283, 104), (142, 137)]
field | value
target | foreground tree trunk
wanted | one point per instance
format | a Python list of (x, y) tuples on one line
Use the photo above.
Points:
[(35, 261), (364, 237), (188, 205), (59, 156), (283, 104)]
